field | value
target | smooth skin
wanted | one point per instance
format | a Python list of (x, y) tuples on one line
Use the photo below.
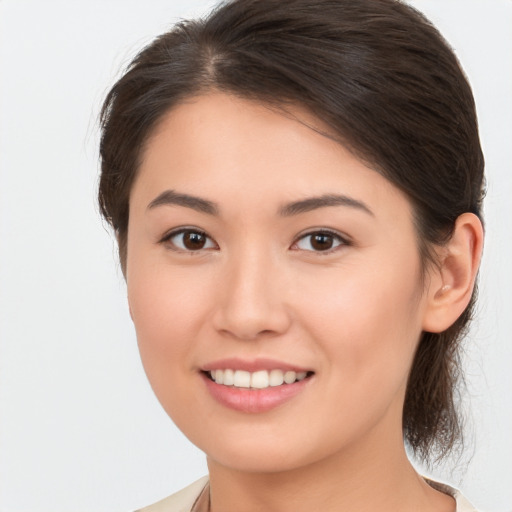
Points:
[(336, 289)]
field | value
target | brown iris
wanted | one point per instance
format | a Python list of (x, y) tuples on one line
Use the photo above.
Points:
[(321, 241), (193, 240)]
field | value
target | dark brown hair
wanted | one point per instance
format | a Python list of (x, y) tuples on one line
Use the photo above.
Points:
[(387, 85)]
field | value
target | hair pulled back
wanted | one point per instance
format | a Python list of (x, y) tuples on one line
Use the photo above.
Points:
[(387, 85)]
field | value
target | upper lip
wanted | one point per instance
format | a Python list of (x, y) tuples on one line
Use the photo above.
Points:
[(252, 365)]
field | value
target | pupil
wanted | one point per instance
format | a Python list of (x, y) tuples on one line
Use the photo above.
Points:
[(322, 242), (193, 240)]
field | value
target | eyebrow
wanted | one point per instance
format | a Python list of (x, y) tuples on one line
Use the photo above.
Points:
[(171, 197), (313, 203)]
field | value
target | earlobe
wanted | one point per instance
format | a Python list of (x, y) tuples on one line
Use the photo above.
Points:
[(452, 285)]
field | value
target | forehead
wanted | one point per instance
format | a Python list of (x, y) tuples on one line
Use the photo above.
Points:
[(224, 146)]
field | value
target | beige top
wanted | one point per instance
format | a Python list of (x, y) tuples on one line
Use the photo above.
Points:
[(196, 498)]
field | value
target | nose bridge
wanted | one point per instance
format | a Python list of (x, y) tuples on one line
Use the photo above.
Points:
[(252, 300)]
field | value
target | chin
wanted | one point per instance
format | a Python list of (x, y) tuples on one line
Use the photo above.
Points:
[(263, 455), (255, 461)]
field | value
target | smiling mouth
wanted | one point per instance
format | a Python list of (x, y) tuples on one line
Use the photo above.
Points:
[(260, 379)]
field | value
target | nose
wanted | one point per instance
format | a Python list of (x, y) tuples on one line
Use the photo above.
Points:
[(252, 299)]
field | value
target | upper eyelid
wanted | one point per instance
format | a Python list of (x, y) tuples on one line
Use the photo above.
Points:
[(345, 238), (176, 231), (166, 239), (344, 242)]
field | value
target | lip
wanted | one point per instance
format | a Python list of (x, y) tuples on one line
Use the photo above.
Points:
[(248, 400), (254, 365)]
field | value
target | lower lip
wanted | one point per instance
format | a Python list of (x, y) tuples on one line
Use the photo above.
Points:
[(254, 400)]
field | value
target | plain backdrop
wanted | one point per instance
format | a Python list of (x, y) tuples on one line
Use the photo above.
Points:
[(79, 426)]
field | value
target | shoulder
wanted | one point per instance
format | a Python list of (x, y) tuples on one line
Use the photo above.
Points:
[(182, 501), (463, 505)]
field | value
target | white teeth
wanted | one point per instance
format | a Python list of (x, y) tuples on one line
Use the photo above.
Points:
[(276, 377), (289, 377), (219, 376), (242, 379), (229, 377), (261, 379)]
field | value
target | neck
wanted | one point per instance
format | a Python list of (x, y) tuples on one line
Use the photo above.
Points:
[(370, 476)]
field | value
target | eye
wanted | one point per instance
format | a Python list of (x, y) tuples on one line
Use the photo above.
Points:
[(189, 240), (320, 241)]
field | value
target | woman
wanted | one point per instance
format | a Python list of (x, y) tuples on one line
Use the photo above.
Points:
[(296, 191)]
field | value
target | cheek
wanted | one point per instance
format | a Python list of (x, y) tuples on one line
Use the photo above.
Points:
[(368, 321), (166, 311), (168, 307), (366, 329)]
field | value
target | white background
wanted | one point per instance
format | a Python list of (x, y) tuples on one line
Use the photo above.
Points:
[(79, 426)]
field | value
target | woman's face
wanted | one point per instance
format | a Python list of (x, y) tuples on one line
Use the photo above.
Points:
[(261, 250)]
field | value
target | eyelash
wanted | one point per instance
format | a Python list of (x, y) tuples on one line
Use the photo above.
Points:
[(167, 239), (342, 241)]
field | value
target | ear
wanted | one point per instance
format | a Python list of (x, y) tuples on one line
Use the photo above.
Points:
[(452, 282)]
